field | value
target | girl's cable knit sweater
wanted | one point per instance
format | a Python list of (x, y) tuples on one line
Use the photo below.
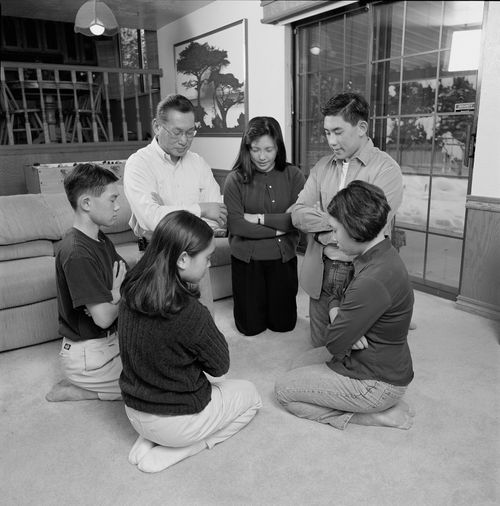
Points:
[(164, 359)]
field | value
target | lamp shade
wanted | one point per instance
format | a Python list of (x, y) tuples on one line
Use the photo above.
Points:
[(95, 18)]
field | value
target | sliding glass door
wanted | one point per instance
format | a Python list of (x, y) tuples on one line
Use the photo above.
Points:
[(417, 62)]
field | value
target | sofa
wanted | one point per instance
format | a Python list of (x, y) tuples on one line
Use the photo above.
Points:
[(31, 228)]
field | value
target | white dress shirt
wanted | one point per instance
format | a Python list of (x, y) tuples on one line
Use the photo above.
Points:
[(181, 185)]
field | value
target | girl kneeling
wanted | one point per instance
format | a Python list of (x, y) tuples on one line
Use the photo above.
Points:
[(168, 341)]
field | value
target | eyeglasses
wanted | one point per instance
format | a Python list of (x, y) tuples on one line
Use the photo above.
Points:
[(177, 134)]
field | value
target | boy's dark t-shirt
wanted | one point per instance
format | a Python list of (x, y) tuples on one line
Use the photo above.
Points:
[(84, 275)]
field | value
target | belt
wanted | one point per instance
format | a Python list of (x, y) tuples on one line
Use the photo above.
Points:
[(342, 262)]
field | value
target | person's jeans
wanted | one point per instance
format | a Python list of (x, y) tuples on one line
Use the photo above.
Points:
[(336, 277), (312, 390)]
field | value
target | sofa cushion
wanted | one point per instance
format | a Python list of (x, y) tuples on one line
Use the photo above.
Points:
[(39, 248), (26, 218), (60, 210), (126, 237), (27, 281), (27, 325)]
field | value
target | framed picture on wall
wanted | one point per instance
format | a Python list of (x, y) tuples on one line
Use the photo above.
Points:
[(211, 70)]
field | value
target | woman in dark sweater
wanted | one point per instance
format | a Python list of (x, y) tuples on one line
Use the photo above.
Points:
[(257, 193), (168, 341)]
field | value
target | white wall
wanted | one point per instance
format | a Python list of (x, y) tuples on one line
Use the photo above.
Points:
[(269, 85), (486, 174)]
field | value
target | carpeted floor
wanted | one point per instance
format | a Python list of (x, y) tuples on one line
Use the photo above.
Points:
[(75, 453)]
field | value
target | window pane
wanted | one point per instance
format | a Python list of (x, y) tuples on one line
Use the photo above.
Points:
[(31, 33), (356, 46), (355, 79), (70, 38), (388, 30), (412, 252), (384, 133), (419, 84), (455, 88), (413, 210), (415, 140), (310, 105), (460, 16), (10, 31), (423, 21), (330, 84), (331, 36), (385, 88), (313, 145), (129, 47), (443, 260), (311, 47), (452, 138), (447, 211), (51, 35)]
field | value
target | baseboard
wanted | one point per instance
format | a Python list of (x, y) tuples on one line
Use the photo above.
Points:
[(478, 307)]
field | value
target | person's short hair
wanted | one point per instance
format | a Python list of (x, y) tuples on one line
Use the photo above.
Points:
[(361, 208), (173, 102), (153, 286), (87, 178), (256, 128), (352, 107)]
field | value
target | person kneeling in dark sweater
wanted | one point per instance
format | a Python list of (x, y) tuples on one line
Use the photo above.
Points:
[(168, 343)]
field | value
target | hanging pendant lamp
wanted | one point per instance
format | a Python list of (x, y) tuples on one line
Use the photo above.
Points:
[(95, 18)]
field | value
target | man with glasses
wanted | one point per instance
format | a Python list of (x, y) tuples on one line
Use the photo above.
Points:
[(166, 176)]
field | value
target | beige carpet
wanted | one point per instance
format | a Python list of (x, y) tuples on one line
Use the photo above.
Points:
[(76, 453)]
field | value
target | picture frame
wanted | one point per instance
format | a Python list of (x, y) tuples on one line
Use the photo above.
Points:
[(211, 70)]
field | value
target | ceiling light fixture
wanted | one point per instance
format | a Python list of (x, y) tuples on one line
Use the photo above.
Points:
[(95, 18)]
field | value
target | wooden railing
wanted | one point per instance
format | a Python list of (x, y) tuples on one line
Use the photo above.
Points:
[(42, 103)]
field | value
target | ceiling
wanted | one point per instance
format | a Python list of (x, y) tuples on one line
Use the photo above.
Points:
[(147, 14)]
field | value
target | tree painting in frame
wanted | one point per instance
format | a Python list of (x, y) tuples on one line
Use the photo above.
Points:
[(211, 72)]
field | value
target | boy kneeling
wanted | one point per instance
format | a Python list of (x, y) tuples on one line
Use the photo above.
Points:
[(89, 273)]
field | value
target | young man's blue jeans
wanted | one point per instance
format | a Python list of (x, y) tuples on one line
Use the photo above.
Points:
[(336, 277), (310, 389)]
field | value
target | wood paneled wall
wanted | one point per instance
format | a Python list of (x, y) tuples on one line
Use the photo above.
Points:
[(14, 158), (480, 285)]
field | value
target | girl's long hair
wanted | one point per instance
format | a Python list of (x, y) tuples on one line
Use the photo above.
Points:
[(256, 128), (154, 287)]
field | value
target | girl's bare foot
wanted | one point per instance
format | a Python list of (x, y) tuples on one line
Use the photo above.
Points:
[(399, 416)]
